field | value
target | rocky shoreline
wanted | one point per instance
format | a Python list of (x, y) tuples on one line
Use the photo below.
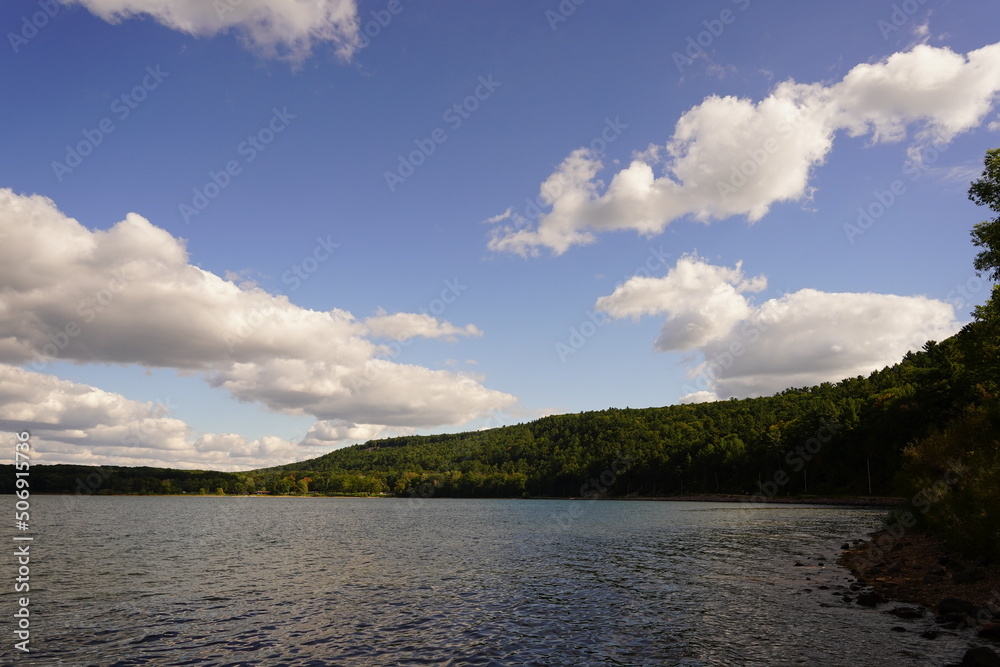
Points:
[(918, 569)]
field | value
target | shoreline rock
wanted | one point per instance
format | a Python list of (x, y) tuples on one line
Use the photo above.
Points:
[(918, 568)]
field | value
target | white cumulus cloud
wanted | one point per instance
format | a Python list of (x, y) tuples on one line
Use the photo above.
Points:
[(731, 156), (129, 295), (71, 422), (287, 29), (800, 339)]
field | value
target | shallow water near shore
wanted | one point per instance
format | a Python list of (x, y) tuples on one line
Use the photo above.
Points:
[(349, 581)]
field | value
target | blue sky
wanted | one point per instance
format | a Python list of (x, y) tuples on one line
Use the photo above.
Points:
[(306, 226)]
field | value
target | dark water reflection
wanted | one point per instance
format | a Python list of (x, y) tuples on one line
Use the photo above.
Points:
[(311, 582)]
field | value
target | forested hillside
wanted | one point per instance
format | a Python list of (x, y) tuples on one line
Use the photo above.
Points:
[(827, 437)]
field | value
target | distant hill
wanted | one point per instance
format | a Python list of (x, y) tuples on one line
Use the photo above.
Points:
[(822, 439)]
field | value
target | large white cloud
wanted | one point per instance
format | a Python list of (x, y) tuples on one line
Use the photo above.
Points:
[(800, 339), (730, 156), (71, 422), (76, 423), (288, 29), (129, 295)]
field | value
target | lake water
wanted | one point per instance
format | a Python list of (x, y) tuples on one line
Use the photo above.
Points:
[(212, 581)]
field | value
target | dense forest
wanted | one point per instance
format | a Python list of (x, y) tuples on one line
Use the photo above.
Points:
[(926, 428)]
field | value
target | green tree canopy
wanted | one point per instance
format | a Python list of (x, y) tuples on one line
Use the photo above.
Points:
[(986, 235)]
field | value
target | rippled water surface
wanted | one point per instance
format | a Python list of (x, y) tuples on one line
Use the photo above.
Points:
[(312, 582)]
